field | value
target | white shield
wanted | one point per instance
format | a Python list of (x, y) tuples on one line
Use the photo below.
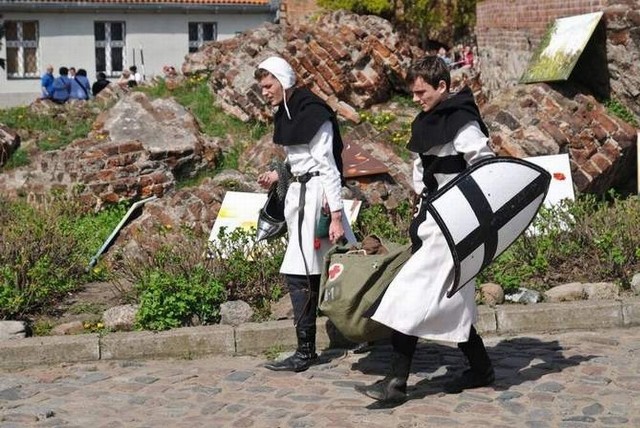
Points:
[(483, 210)]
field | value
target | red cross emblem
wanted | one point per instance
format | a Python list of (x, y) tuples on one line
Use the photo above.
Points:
[(335, 270)]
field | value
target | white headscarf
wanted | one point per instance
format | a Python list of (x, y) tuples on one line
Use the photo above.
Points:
[(283, 72)]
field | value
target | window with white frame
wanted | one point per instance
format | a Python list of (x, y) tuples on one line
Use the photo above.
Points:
[(22, 49), (110, 47), (200, 32)]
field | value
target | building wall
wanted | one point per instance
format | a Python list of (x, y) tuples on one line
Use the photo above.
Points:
[(295, 11), (67, 39)]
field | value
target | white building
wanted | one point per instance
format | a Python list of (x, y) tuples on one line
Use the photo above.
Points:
[(111, 35)]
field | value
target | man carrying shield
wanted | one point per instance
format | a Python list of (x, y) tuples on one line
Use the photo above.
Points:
[(448, 136)]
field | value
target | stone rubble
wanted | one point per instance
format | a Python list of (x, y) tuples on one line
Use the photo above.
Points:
[(348, 60)]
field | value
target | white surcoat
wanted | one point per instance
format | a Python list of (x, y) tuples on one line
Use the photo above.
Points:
[(317, 156), (415, 302)]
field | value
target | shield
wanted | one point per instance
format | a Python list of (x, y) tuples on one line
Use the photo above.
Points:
[(485, 209)]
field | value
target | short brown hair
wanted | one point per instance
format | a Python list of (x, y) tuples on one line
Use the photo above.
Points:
[(432, 69), (260, 74)]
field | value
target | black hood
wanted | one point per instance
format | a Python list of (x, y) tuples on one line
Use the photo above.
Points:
[(440, 125)]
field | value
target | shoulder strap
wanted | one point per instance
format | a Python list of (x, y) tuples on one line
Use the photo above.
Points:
[(86, 94)]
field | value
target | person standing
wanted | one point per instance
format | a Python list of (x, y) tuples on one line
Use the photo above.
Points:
[(46, 82), (448, 136), (308, 130)]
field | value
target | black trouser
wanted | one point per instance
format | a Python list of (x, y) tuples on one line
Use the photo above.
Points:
[(305, 303), (473, 349)]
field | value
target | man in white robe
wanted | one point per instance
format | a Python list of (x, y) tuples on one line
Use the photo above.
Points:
[(448, 136)]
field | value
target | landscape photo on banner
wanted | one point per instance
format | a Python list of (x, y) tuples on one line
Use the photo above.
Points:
[(240, 209)]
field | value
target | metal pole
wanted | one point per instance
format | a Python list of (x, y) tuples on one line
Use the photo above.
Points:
[(142, 63), (106, 244)]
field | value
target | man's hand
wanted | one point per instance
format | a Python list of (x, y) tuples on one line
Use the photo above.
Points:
[(336, 231), (266, 179)]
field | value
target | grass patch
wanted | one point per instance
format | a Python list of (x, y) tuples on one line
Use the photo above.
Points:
[(49, 131), (272, 352)]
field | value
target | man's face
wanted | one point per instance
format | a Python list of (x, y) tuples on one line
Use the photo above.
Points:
[(426, 95), (271, 90)]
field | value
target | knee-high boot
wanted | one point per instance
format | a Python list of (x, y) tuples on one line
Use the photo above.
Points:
[(305, 303), (480, 372), (393, 388)]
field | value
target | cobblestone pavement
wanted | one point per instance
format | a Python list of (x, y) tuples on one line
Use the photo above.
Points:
[(577, 379)]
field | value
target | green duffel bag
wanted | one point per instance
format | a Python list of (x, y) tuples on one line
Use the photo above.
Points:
[(353, 280)]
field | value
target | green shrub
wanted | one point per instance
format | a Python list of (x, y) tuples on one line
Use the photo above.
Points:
[(18, 158), (250, 271), (618, 109), (170, 301), (44, 251), (387, 225), (586, 240), (188, 278)]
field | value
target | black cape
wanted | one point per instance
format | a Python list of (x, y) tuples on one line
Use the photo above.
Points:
[(308, 113), (440, 125)]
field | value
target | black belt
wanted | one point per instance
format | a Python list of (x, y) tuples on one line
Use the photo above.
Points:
[(304, 177)]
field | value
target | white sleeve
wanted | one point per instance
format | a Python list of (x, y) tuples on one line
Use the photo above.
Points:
[(321, 150), (472, 143), (418, 172)]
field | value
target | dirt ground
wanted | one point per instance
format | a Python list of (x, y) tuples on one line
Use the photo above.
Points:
[(84, 305)]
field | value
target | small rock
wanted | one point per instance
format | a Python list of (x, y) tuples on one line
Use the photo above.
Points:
[(566, 293), (524, 295), (282, 309), (235, 312), (12, 330), (73, 327), (635, 284), (492, 294), (120, 318), (601, 291)]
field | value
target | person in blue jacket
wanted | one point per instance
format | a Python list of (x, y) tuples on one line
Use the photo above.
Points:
[(46, 83), (80, 86), (61, 88)]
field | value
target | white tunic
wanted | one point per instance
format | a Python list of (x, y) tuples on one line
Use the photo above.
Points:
[(303, 158), (415, 302)]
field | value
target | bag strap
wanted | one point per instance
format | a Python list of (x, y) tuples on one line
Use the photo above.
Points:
[(301, 204), (86, 94)]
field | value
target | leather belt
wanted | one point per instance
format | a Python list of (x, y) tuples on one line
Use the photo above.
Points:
[(304, 177)]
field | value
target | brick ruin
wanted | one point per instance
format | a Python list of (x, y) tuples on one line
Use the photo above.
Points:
[(563, 117)]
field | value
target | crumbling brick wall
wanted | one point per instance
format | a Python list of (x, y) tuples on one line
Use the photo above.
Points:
[(508, 31)]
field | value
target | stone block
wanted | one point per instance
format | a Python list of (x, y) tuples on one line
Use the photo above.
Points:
[(255, 338), (486, 323), (559, 316), (631, 312), (178, 343), (49, 350)]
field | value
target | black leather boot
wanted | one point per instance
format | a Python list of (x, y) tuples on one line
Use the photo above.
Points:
[(393, 388), (304, 357), (481, 371)]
